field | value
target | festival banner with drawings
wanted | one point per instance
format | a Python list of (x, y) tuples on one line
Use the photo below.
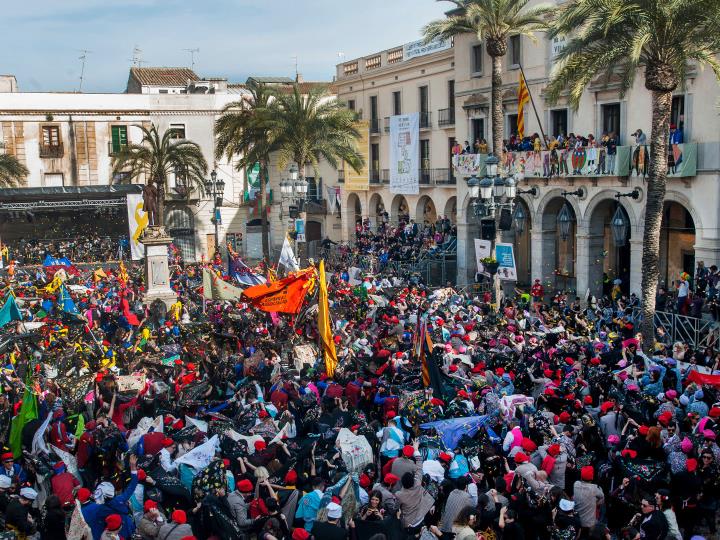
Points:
[(138, 221), (506, 262)]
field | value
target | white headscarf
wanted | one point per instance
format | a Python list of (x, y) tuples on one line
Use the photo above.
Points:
[(105, 491)]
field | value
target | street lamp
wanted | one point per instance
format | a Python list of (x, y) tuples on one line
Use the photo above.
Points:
[(519, 219), (619, 224), (566, 216), (215, 187)]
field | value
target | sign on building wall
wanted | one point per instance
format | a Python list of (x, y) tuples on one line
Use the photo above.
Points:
[(138, 220), (420, 48), (405, 154), (506, 262), (360, 181), (557, 45)]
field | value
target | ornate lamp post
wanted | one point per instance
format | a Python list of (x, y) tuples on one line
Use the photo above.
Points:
[(215, 188)]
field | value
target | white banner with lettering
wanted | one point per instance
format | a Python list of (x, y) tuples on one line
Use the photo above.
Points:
[(420, 48), (137, 222), (405, 154)]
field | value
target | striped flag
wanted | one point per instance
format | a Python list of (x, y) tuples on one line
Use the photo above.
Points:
[(523, 99)]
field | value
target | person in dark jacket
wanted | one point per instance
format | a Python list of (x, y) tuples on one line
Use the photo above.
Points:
[(17, 516), (52, 524)]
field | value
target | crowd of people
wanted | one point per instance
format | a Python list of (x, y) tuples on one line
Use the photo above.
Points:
[(87, 249), (447, 417)]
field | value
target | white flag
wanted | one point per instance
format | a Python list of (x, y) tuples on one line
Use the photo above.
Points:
[(287, 257), (38, 442), (200, 456), (200, 424)]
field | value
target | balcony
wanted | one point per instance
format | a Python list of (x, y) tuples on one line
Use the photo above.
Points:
[(115, 148), (385, 177), (341, 176), (315, 206), (425, 120), (446, 117), (436, 177), (374, 126), (374, 176), (52, 150)]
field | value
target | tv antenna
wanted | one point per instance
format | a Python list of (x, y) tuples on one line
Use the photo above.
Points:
[(295, 59), (137, 57), (83, 60), (192, 52)]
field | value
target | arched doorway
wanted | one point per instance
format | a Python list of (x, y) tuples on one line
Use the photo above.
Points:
[(399, 210), (354, 215), (180, 225), (521, 231), (609, 257), (559, 247), (677, 243), (451, 210), (425, 213), (377, 212)]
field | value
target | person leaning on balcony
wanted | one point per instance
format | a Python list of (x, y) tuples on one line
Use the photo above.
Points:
[(456, 148), (611, 146)]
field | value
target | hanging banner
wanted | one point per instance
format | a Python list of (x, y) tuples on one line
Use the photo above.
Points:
[(405, 154), (469, 164), (482, 250), (421, 48), (138, 220), (506, 262), (360, 181)]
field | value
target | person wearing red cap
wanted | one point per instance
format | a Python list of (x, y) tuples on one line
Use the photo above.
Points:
[(113, 522), (385, 488), (301, 534), (63, 484), (151, 521), (166, 454), (177, 528), (239, 502), (11, 469), (407, 462), (588, 497)]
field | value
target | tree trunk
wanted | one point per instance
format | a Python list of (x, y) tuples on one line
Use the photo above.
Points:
[(656, 186), (497, 107), (263, 213)]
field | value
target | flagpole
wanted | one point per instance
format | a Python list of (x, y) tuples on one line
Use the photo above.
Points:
[(532, 102)]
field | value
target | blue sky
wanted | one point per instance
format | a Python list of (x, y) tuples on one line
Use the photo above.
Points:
[(236, 38)]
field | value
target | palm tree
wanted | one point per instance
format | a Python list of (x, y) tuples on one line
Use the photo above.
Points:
[(156, 157), (242, 132), (621, 36), (11, 170), (492, 21), (308, 128)]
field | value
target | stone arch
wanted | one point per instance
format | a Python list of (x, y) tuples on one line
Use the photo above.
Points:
[(607, 261), (399, 209), (609, 194), (676, 196), (555, 194), (425, 211), (353, 209), (378, 211), (451, 209), (559, 255), (521, 240)]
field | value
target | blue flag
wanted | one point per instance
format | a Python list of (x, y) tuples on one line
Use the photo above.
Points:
[(10, 311), (66, 303)]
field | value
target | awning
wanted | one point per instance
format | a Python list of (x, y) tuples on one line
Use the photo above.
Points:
[(63, 197)]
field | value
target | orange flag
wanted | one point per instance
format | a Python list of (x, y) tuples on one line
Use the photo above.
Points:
[(282, 296)]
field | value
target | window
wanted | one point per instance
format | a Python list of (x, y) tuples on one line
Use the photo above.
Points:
[(351, 104), (373, 62), (119, 138), (162, 91), (350, 69), (424, 107), (51, 136), (395, 56), (178, 131), (511, 124), (373, 107), (558, 122), (611, 118), (53, 180), (425, 153), (236, 241), (478, 129), (179, 223), (451, 94), (397, 108), (375, 163), (514, 51), (677, 115), (476, 60)]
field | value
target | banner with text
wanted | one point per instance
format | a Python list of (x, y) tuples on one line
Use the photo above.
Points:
[(405, 154), (482, 250), (506, 262), (360, 181), (420, 48), (138, 220)]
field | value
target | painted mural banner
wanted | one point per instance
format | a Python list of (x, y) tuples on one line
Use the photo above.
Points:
[(682, 160), (405, 154), (469, 164), (505, 255)]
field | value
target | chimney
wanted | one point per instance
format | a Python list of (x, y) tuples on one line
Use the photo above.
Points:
[(299, 78)]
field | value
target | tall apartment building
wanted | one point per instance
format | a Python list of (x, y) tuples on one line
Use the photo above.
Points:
[(583, 253)]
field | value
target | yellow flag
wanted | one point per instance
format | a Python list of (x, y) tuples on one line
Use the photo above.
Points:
[(324, 326)]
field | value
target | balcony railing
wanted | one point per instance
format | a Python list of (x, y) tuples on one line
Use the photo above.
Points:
[(115, 148), (387, 124), (374, 125), (446, 117), (374, 176), (425, 120), (52, 150)]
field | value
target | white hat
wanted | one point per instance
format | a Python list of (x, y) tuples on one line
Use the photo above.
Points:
[(28, 493), (566, 506), (5, 482), (334, 510)]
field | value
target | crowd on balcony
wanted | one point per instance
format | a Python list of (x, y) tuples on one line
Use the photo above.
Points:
[(86, 249)]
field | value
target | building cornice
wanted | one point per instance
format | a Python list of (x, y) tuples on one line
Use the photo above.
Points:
[(137, 112)]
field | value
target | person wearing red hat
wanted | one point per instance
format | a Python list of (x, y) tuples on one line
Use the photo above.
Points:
[(588, 498), (166, 460), (113, 522), (408, 462), (177, 528), (152, 442), (151, 521), (239, 502), (301, 534), (11, 469), (63, 484)]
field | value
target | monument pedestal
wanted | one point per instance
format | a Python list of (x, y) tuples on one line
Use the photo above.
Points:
[(157, 273)]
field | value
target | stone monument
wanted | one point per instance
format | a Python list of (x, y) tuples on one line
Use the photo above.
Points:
[(157, 273)]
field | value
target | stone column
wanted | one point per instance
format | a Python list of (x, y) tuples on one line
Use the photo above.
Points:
[(464, 257), (583, 242), (536, 255), (157, 274), (636, 265)]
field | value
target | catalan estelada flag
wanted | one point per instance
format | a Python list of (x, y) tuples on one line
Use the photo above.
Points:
[(523, 98)]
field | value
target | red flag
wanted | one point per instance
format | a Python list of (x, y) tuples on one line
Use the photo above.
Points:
[(282, 296)]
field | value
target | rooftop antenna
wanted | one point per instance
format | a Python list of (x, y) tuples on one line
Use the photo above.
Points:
[(83, 59), (137, 57), (192, 52), (341, 56), (295, 58)]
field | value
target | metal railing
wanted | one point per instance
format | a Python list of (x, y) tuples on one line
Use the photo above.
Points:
[(52, 150), (374, 125), (691, 330), (374, 176), (425, 119), (446, 117)]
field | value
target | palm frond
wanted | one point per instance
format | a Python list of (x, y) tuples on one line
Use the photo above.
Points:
[(11, 171)]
